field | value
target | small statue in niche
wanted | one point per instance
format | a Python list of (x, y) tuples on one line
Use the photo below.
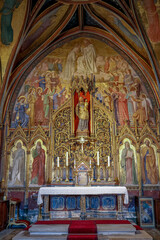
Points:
[(83, 115)]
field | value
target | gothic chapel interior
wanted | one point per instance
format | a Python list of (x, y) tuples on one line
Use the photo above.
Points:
[(80, 105)]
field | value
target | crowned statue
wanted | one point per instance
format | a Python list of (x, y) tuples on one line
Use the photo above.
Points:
[(83, 115)]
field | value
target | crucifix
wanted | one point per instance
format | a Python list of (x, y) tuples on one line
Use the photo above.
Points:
[(82, 141)]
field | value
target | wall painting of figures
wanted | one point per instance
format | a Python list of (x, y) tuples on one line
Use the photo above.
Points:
[(117, 85)]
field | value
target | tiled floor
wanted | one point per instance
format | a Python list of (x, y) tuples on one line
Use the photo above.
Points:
[(8, 234), (155, 233)]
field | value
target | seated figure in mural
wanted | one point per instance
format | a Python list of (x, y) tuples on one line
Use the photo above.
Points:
[(83, 115), (128, 165), (70, 66), (149, 169), (22, 117), (18, 169), (87, 62), (38, 165), (6, 19)]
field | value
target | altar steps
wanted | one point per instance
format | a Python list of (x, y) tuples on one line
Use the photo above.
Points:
[(83, 230)]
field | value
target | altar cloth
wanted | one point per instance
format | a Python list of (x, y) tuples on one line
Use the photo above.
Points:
[(99, 190)]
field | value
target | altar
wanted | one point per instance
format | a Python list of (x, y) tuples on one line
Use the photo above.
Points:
[(46, 192)]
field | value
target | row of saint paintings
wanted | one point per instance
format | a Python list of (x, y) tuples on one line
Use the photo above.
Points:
[(117, 85), (17, 166), (73, 203), (128, 164)]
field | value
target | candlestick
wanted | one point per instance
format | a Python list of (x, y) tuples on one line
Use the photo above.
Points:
[(57, 161), (109, 162), (67, 159), (98, 158)]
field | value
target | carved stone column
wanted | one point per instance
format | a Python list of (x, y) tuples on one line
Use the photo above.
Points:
[(158, 158), (120, 207), (139, 165), (116, 160), (6, 170), (27, 172), (46, 214), (49, 170), (104, 171), (117, 165)]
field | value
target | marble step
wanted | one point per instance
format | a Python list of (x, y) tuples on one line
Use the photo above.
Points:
[(116, 229), (43, 229), (25, 235)]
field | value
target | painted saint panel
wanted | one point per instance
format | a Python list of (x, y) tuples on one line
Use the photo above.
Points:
[(57, 203), (37, 164), (17, 165), (94, 202), (109, 202), (128, 173), (71, 203), (149, 163)]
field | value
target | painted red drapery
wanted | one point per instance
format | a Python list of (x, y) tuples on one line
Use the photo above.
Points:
[(76, 100), (38, 167), (153, 20)]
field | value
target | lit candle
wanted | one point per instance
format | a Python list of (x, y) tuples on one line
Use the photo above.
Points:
[(90, 163), (109, 163), (57, 161), (74, 163), (67, 159), (98, 158)]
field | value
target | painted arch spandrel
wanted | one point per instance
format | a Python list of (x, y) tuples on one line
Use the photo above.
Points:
[(117, 85), (149, 12)]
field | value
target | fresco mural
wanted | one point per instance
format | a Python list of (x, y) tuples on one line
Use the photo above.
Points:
[(116, 23), (149, 163), (150, 16), (43, 29), (151, 8), (128, 169), (17, 165), (117, 85), (11, 24), (37, 164)]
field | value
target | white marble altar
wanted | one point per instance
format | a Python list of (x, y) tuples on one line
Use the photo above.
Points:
[(99, 190)]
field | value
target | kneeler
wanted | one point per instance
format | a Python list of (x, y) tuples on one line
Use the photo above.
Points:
[(13, 202)]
